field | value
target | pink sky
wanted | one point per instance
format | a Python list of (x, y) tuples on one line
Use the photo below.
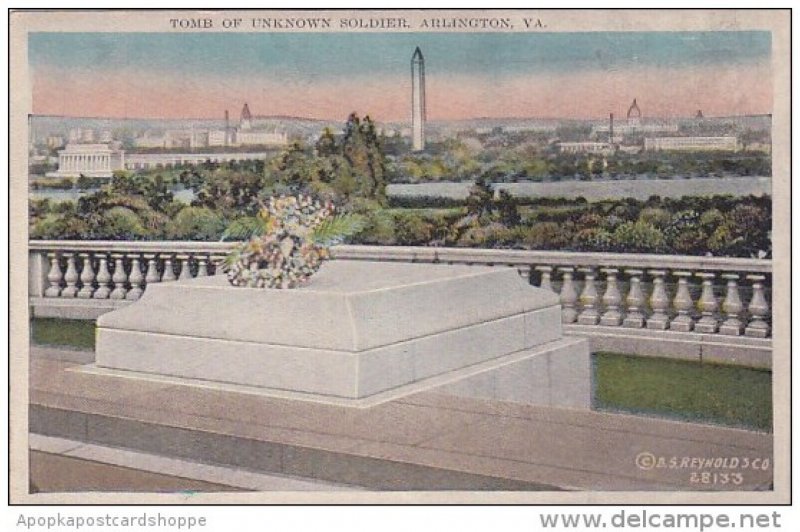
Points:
[(718, 90)]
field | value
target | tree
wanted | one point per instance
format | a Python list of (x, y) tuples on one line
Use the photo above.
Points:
[(507, 207), (121, 223), (230, 193), (361, 148), (480, 201), (326, 145), (293, 167), (196, 223)]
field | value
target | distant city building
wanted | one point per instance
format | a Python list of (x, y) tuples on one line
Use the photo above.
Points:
[(146, 161), (418, 110), (218, 137), (585, 147), (764, 147), (615, 131), (197, 139), (538, 128), (151, 140), (246, 120), (634, 115), (55, 141), (728, 143), (90, 160), (260, 138), (105, 137), (247, 135)]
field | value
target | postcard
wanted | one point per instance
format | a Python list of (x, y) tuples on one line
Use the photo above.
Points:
[(400, 256)]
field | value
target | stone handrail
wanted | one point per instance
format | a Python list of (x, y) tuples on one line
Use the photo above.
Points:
[(514, 257), (661, 292)]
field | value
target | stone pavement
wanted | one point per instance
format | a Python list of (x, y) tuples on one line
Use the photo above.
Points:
[(59, 473), (426, 441), (59, 465)]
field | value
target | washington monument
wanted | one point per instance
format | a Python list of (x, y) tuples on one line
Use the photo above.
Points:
[(418, 100)]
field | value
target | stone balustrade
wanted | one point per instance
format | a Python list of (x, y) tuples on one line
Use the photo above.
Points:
[(714, 295), (710, 295), (116, 270)]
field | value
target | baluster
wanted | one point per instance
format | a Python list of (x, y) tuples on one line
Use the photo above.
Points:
[(524, 271), (683, 304), (707, 304), (547, 277), (152, 270), (87, 277), (569, 296), (758, 309), (103, 279), (659, 302), (186, 272), (169, 272), (202, 268), (71, 277), (611, 299), (590, 314), (53, 277), (634, 317), (136, 278), (119, 277), (732, 307), (217, 262)]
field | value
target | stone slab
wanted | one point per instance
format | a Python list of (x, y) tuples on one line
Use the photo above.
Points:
[(529, 376), (359, 329), (560, 377), (348, 305), (73, 308)]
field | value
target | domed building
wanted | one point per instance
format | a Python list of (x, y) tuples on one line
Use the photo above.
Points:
[(246, 120), (634, 115)]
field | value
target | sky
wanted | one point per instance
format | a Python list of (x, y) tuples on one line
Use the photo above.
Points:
[(468, 75)]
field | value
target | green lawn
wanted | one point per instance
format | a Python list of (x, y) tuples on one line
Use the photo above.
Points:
[(71, 333), (726, 395), (710, 393)]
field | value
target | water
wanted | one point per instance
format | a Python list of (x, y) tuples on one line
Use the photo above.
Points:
[(181, 195), (640, 189)]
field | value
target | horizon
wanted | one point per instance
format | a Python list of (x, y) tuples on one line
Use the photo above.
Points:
[(465, 119), (325, 76)]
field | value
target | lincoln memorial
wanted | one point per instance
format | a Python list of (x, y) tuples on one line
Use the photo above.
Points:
[(91, 160)]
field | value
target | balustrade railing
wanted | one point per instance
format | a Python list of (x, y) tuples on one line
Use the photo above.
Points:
[(713, 295), (118, 270)]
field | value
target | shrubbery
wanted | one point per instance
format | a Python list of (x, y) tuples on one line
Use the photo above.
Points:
[(639, 237), (196, 223), (121, 223), (722, 225), (351, 171)]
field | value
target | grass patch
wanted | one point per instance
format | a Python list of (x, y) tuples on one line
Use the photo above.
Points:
[(70, 333), (709, 393)]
